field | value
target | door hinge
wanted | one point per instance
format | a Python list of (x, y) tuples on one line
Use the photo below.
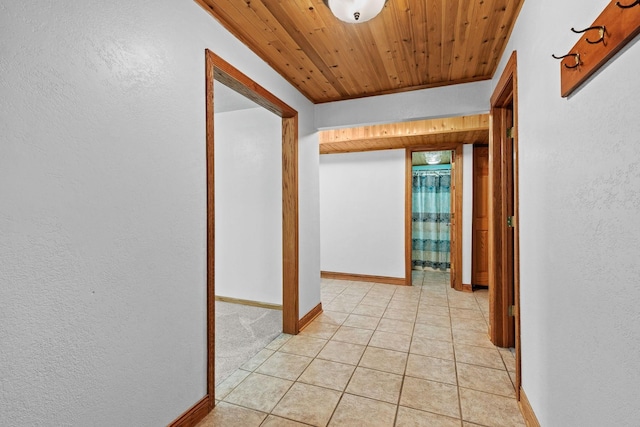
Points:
[(511, 221), (510, 132), (512, 311)]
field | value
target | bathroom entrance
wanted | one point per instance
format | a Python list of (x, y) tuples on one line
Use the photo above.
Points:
[(432, 222)]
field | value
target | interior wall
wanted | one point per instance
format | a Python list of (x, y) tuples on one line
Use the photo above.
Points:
[(362, 213), (103, 213), (445, 101), (579, 170), (344, 222), (248, 201)]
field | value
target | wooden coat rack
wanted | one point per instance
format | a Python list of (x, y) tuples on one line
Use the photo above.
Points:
[(617, 25)]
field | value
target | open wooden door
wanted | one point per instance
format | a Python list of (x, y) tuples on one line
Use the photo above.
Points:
[(480, 225), (509, 169)]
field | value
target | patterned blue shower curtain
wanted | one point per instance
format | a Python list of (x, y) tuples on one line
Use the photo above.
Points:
[(431, 219)]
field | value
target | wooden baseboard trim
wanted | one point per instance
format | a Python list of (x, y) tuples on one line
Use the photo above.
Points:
[(363, 278), (308, 318), (249, 302), (527, 411), (467, 287), (195, 414)]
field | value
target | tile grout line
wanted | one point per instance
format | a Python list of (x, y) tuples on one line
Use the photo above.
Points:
[(455, 363), (344, 390), (404, 374)]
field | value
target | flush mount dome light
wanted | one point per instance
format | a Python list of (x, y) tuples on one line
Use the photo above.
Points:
[(355, 11), (433, 158)]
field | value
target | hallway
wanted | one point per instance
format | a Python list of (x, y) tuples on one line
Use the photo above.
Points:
[(379, 355)]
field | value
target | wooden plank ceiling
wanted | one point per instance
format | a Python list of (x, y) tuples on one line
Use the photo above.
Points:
[(434, 133), (411, 44)]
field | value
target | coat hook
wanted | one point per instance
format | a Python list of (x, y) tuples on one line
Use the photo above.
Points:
[(575, 55), (635, 3), (601, 30)]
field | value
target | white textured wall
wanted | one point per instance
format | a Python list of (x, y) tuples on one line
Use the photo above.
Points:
[(467, 212), (362, 213), (353, 184), (102, 208), (248, 205), (445, 101), (579, 229)]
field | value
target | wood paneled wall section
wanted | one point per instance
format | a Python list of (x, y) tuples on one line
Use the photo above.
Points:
[(434, 133)]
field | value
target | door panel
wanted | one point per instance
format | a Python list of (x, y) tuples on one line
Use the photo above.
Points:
[(510, 213), (480, 227)]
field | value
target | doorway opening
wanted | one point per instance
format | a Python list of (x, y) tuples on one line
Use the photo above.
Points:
[(431, 216), (433, 206), (248, 152), (219, 70)]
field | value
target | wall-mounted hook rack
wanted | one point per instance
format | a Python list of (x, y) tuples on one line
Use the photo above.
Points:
[(617, 25), (602, 30), (628, 6), (576, 56)]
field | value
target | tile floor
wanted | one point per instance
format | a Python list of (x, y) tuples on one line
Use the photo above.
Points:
[(379, 355)]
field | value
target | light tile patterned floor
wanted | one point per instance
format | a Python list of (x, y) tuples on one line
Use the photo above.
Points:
[(379, 355)]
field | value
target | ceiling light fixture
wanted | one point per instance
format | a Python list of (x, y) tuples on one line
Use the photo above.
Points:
[(433, 158), (355, 11)]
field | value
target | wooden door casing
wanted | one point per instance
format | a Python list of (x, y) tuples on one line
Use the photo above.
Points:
[(504, 253), (453, 221)]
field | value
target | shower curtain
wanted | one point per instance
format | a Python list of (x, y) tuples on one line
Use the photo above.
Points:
[(431, 219)]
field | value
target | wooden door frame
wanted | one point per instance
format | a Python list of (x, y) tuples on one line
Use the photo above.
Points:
[(501, 332), (456, 252), (219, 69)]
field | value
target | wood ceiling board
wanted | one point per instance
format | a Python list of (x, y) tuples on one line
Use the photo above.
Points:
[(253, 25), (500, 16), (310, 41), (434, 40), (461, 35), (412, 44)]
